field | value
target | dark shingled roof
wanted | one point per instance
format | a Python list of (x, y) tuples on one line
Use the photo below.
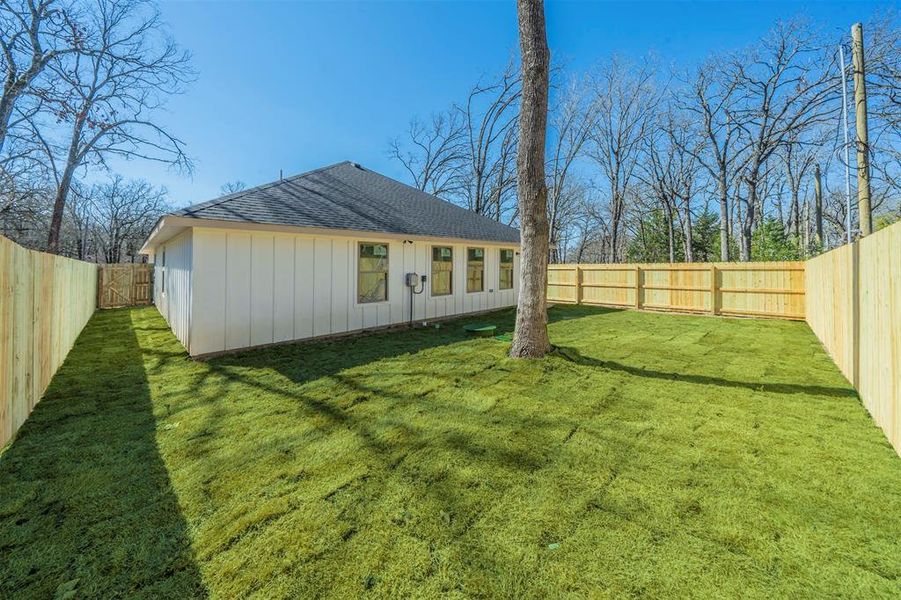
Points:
[(347, 196)]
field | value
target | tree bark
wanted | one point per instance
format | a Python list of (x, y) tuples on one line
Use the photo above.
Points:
[(670, 233), (530, 339), (65, 184), (818, 193), (724, 219), (747, 225), (59, 206), (689, 237)]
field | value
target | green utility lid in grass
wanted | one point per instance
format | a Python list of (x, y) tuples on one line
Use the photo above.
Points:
[(480, 330)]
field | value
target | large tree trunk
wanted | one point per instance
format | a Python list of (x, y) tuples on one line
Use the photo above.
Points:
[(724, 219), (13, 89), (795, 216), (670, 232), (747, 224), (59, 207), (6, 110), (689, 237), (62, 191), (530, 339), (615, 219), (818, 194)]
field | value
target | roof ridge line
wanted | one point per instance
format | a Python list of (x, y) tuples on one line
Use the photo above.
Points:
[(234, 195)]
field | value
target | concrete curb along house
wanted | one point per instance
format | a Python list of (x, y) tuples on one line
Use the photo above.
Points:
[(323, 253)]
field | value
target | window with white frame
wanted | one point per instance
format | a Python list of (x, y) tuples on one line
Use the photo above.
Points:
[(475, 269), (372, 273), (506, 270), (442, 270)]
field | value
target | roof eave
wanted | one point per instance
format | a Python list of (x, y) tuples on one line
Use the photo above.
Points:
[(171, 225), (167, 227)]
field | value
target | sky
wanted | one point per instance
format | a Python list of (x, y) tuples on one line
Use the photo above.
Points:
[(294, 86)]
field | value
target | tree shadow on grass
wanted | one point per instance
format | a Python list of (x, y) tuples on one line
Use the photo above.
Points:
[(434, 461), (307, 360), (86, 504), (418, 440), (574, 355)]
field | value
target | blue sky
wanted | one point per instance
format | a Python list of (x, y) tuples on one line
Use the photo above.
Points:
[(299, 85)]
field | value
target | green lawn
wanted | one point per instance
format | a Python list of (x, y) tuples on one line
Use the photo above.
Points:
[(651, 455)]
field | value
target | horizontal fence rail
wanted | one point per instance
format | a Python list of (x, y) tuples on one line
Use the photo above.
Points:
[(45, 302), (762, 289)]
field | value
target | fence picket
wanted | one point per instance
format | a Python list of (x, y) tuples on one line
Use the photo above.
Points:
[(737, 289), (45, 301)]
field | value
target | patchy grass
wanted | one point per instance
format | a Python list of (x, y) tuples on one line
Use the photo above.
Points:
[(651, 455)]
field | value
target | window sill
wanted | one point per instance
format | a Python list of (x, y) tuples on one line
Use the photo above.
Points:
[(379, 303)]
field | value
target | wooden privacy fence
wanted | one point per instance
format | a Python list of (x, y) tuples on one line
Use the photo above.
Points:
[(855, 310), (125, 285), (45, 302), (763, 289)]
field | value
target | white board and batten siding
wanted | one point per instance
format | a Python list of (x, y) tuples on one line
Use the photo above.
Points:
[(251, 288), (172, 283)]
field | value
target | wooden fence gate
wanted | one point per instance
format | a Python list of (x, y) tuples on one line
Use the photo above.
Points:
[(125, 285)]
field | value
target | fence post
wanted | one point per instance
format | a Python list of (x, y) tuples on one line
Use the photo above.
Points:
[(578, 284), (99, 286), (637, 287), (713, 289)]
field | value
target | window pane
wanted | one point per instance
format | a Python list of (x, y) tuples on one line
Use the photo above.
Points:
[(373, 264), (441, 283), (373, 287), (475, 269), (506, 270), (372, 273), (442, 270), (373, 257)]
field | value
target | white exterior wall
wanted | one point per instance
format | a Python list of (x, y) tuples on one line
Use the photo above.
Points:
[(252, 287), (175, 302)]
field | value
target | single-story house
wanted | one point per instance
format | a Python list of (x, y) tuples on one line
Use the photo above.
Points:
[(324, 253)]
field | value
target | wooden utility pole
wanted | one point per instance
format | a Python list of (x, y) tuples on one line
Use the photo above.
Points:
[(818, 206), (863, 149)]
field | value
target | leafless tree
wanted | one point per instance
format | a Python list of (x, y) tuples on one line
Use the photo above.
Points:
[(710, 104), (467, 154), (123, 213), (669, 170), (571, 123), (232, 187), (76, 239), (626, 103), (489, 118), (785, 86), (24, 206), (33, 33), (743, 129), (434, 153), (530, 338), (799, 155), (110, 93)]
